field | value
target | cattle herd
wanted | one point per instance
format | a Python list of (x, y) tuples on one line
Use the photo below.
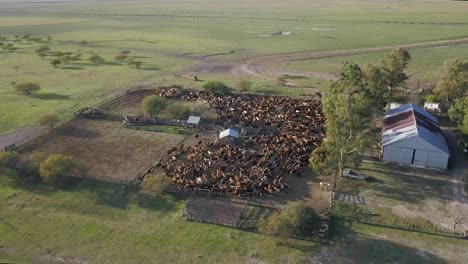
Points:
[(256, 165)]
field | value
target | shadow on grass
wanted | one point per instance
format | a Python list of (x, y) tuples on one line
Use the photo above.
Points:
[(354, 247), (151, 68), (71, 68), (108, 194), (51, 96), (410, 184), (73, 131)]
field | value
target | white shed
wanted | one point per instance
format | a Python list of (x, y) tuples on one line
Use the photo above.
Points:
[(412, 136), (231, 133)]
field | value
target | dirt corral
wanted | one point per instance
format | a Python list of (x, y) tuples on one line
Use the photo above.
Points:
[(288, 130), (106, 149)]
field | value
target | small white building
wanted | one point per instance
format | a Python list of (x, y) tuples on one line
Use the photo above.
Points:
[(230, 134), (412, 136), (193, 120)]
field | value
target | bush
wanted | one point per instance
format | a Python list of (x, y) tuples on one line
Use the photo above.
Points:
[(96, 59), (57, 167), (26, 88), (8, 159), (153, 104), (216, 87), (37, 158), (155, 184), (179, 110), (49, 120), (297, 219)]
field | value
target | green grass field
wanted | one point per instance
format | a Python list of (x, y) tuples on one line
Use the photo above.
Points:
[(424, 65), (161, 32), (104, 223)]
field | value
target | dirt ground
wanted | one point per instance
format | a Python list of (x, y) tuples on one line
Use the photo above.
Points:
[(105, 148), (305, 187)]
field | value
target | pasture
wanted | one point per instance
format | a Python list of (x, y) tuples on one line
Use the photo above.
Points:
[(169, 37), (97, 222)]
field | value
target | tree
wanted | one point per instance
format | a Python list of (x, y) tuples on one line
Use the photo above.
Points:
[(26, 88), (432, 210), (76, 57), (125, 52), (459, 114), (135, 63), (153, 104), (393, 66), (8, 48), (49, 120), (42, 49), (16, 67), (66, 58), (57, 166), (8, 159), (49, 38), (96, 59), (120, 57), (155, 184), (455, 214), (55, 62), (375, 85), (42, 55), (452, 83), (245, 85), (216, 87), (84, 43), (347, 110)]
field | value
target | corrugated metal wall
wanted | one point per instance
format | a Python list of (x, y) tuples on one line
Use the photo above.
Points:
[(417, 157)]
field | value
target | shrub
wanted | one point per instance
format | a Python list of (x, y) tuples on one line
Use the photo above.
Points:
[(179, 110), (297, 219), (26, 88), (216, 87), (153, 104), (37, 158), (8, 159), (57, 167), (42, 49), (49, 120), (155, 184), (96, 59)]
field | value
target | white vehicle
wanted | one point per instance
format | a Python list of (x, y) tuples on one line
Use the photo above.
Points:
[(433, 107), (347, 173)]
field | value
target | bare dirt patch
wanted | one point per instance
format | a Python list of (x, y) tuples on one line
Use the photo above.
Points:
[(106, 149)]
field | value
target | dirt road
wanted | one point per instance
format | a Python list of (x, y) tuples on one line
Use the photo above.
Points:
[(459, 165), (276, 59)]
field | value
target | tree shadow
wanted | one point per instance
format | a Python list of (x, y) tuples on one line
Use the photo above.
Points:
[(406, 186), (50, 96), (355, 247), (102, 193), (151, 68), (71, 68), (73, 131)]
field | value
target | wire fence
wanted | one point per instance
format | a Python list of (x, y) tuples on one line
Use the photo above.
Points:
[(254, 201), (14, 145), (36, 133)]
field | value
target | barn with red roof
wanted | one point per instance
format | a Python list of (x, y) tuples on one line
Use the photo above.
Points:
[(412, 136)]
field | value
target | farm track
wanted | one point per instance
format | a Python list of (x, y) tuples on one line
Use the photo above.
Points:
[(309, 55)]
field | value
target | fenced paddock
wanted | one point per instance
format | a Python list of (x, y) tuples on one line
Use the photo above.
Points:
[(214, 211)]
